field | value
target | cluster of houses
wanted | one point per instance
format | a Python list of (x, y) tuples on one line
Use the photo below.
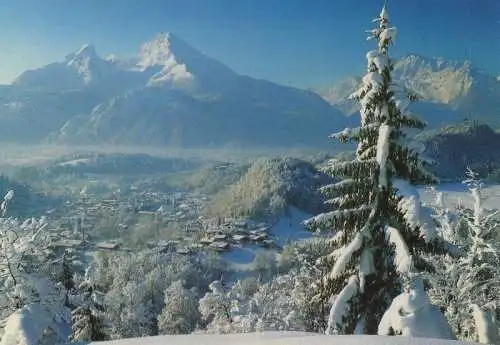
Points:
[(74, 221), (182, 208), (217, 239), (223, 235), (69, 240)]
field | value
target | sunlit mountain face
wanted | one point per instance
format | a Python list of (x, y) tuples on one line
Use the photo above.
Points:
[(451, 91), (168, 94)]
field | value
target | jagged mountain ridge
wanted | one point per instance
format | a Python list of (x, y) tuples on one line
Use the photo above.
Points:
[(451, 90), (172, 94)]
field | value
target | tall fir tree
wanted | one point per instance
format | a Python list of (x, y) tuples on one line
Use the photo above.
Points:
[(87, 325), (88, 321), (380, 228), (67, 276)]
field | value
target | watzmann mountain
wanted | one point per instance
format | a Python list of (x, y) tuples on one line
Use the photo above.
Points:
[(168, 94)]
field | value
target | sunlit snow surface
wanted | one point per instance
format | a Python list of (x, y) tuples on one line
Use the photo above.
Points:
[(288, 228), (456, 193), (279, 338)]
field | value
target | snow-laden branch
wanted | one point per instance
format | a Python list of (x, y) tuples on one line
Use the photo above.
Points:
[(345, 257), (337, 185), (348, 132), (387, 36), (414, 213), (340, 306), (403, 259), (327, 217), (383, 153)]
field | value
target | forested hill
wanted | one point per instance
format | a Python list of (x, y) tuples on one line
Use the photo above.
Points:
[(456, 147)]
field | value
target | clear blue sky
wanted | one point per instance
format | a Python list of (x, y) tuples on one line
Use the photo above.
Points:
[(297, 42)]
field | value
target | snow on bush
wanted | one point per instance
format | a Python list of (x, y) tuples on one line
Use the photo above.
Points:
[(412, 314)]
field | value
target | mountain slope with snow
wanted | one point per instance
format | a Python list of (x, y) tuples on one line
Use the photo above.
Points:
[(79, 69), (168, 94), (188, 99), (451, 90), (28, 115)]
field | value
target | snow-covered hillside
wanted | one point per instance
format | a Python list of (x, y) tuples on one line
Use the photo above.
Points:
[(288, 228), (280, 338)]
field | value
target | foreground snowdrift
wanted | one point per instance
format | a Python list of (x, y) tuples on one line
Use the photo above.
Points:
[(279, 338)]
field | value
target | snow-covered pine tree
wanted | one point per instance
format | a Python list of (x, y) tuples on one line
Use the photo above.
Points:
[(473, 279), (379, 230), (88, 317), (180, 313), (67, 272), (87, 324)]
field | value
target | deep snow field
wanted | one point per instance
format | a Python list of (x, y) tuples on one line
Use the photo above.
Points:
[(278, 338)]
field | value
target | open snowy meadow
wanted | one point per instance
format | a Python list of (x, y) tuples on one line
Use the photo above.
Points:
[(279, 338)]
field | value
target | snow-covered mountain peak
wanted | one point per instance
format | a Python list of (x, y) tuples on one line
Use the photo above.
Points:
[(169, 53), (414, 63), (86, 52), (87, 63), (166, 60), (164, 49), (174, 62)]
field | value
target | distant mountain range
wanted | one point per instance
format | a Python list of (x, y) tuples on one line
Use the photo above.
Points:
[(169, 94), (172, 94), (451, 91)]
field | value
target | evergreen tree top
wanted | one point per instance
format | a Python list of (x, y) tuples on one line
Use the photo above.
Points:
[(384, 15)]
